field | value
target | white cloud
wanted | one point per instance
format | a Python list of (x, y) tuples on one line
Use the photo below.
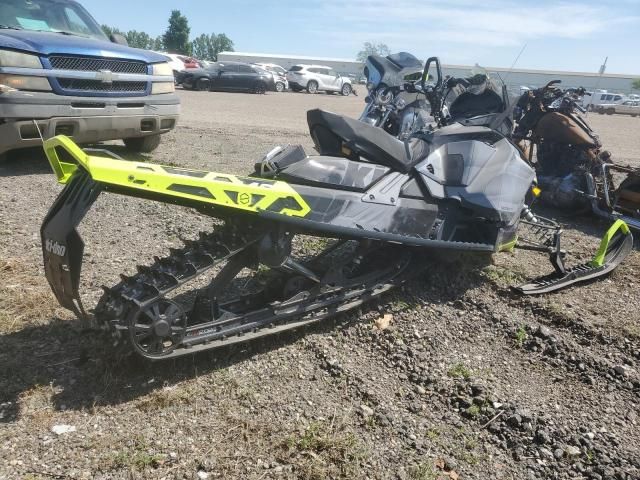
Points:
[(489, 23)]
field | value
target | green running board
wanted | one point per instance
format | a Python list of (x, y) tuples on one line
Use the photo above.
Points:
[(615, 246)]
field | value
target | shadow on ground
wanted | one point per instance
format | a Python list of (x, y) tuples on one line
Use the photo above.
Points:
[(86, 371)]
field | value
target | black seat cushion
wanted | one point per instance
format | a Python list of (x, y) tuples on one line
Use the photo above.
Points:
[(330, 132)]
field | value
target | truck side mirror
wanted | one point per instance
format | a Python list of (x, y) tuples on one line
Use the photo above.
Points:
[(119, 39)]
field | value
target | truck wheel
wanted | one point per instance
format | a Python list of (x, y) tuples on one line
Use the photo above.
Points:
[(143, 144)]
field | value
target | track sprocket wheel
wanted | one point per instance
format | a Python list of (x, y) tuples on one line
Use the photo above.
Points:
[(158, 328)]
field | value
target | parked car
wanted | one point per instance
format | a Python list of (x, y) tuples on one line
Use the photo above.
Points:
[(630, 107), (279, 75), (60, 74), (316, 78), (591, 101), (230, 76)]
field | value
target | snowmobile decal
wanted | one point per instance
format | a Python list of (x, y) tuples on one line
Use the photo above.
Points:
[(251, 194)]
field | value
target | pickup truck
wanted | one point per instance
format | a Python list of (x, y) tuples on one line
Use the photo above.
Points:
[(628, 107), (60, 74)]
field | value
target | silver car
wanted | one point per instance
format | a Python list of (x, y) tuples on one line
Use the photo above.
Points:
[(318, 78), (279, 75)]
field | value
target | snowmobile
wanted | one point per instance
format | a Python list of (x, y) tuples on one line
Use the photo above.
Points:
[(574, 171), (375, 204)]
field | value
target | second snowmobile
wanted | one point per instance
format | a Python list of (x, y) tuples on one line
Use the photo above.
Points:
[(374, 205)]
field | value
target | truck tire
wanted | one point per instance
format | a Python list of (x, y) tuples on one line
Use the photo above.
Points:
[(143, 144)]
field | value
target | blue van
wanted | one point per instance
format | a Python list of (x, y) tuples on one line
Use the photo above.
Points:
[(60, 74)]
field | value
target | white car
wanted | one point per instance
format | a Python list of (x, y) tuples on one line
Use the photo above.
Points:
[(598, 99), (630, 107), (316, 78), (279, 75)]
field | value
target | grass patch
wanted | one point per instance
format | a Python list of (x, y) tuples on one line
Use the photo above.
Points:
[(423, 471), (473, 411), (165, 398), (459, 370), (138, 458), (24, 297), (325, 451), (503, 276)]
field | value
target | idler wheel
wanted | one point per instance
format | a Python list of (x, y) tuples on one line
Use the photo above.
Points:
[(157, 329)]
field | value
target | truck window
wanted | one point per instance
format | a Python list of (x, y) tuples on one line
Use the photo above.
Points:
[(617, 97)]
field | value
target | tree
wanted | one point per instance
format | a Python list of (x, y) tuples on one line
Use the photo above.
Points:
[(110, 30), (372, 49), (176, 38), (139, 39), (636, 84), (207, 47)]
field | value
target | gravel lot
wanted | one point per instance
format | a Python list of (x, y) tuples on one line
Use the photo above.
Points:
[(469, 380)]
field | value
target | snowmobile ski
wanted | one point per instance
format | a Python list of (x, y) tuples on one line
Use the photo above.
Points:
[(615, 246)]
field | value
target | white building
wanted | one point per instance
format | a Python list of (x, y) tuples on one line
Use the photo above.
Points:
[(514, 79)]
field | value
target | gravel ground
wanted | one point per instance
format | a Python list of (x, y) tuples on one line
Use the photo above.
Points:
[(468, 381)]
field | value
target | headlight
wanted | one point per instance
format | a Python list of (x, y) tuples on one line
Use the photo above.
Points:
[(9, 58), (162, 87), (22, 82), (162, 69)]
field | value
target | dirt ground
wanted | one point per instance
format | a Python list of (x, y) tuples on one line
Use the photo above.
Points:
[(469, 380)]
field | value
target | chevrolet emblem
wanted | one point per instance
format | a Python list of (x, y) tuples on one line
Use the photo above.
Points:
[(105, 76)]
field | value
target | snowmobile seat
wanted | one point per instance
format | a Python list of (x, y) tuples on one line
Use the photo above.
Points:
[(330, 132)]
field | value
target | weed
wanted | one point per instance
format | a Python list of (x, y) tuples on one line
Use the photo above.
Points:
[(331, 451), (164, 398), (433, 434), (24, 297), (473, 411), (423, 471), (503, 276), (521, 335), (459, 371), (137, 458)]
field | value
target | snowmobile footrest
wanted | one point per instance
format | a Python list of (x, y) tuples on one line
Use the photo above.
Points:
[(615, 246)]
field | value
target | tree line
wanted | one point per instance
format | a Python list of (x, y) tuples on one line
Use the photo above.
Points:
[(176, 39)]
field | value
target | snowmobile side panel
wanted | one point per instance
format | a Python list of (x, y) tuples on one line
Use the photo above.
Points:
[(491, 179), (243, 193)]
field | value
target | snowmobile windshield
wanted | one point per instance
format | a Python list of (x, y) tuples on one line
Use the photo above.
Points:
[(479, 94), (392, 70)]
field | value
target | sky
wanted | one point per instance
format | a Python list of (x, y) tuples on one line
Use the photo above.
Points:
[(573, 35)]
